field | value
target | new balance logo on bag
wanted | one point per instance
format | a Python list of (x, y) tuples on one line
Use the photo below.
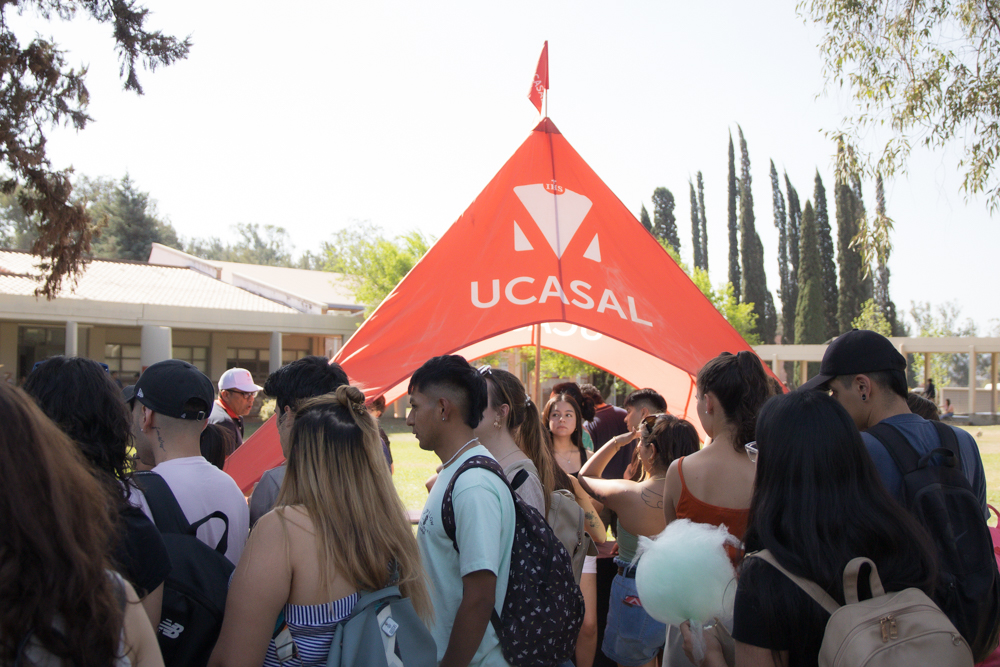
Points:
[(169, 629)]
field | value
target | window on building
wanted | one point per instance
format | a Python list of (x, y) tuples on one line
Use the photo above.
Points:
[(196, 356), (123, 358), (256, 361)]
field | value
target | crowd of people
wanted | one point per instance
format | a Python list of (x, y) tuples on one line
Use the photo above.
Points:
[(805, 482)]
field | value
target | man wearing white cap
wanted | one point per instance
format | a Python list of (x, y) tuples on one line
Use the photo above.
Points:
[(236, 394)]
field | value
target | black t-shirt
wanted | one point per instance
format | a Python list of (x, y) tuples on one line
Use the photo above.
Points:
[(140, 555), (795, 622)]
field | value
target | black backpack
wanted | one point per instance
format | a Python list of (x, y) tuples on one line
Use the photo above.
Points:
[(194, 594), (937, 492), (543, 606)]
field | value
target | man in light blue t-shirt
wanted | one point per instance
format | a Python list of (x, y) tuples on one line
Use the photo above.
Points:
[(447, 399)]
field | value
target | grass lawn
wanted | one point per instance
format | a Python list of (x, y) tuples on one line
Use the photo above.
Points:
[(414, 466)]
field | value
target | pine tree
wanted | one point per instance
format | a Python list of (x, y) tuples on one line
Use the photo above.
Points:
[(664, 222), (854, 288), (644, 219), (704, 223), (827, 262), (132, 226), (752, 253), (810, 310), (734, 229), (695, 228)]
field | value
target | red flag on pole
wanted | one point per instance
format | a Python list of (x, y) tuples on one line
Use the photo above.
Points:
[(541, 82)]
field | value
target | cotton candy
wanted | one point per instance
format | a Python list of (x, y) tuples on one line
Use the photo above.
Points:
[(684, 574)]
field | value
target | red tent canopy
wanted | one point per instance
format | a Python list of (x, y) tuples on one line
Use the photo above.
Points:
[(546, 242)]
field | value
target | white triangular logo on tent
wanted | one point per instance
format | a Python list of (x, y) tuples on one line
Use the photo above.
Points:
[(521, 241), (594, 250), (558, 216)]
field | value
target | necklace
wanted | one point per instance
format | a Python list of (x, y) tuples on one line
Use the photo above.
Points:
[(568, 458), (460, 450)]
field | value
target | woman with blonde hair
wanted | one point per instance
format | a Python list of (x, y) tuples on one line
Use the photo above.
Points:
[(338, 528), (62, 604)]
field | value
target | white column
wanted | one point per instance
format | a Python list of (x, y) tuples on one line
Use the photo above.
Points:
[(972, 379), (72, 339), (157, 345), (275, 362)]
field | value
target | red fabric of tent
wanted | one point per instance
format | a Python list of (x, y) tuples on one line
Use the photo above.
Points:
[(545, 242)]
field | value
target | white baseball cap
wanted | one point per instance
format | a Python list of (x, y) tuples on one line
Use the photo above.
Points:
[(237, 378)]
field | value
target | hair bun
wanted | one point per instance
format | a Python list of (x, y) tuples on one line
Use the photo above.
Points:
[(353, 398)]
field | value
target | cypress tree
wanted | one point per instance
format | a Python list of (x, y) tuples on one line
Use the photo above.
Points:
[(734, 244), (752, 253), (880, 291), (852, 292), (704, 223), (644, 219), (785, 277), (827, 262), (810, 310), (664, 222), (695, 227), (793, 228)]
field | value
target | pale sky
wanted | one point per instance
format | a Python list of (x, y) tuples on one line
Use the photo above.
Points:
[(318, 115)]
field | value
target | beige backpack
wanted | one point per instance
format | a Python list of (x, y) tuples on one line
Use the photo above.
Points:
[(888, 629)]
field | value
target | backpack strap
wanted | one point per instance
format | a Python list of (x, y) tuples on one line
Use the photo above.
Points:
[(167, 513), (447, 506), (851, 573), (811, 588), (520, 478), (906, 457), (448, 513)]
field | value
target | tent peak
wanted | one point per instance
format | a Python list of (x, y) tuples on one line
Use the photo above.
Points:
[(547, 126)]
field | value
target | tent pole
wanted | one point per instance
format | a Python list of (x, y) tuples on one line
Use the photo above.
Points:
[(538, 365)]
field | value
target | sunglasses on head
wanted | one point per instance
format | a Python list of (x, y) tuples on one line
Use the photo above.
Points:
[(485, 369)]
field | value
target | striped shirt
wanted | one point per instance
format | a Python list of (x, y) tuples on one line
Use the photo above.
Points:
[(312, 627)]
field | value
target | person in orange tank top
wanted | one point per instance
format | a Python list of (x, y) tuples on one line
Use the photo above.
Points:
[(714, 485)]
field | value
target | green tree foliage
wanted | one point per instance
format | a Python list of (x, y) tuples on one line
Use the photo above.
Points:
[(695, 227), (880, 290), (943, 320), (18, 230), (793, 232), (734, 227), (38, 91), (741, 316), (921, 73), (130, 223), (704, 223), (664, 222), (785, 276), (872, 318), (269, 245), (828, 263), (644, 219), (855, 282), (810, 318), (374, 263), (752, 254)]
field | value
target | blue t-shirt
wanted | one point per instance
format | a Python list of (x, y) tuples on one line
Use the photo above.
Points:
[(922, 435)]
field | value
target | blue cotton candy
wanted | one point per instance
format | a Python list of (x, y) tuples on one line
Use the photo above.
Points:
[(684, 573)]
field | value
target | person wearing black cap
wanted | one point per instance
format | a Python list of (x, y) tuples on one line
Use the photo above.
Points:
[(172, 402), (866, 374)]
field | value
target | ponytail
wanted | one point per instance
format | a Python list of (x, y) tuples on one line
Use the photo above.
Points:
[(740, 384)]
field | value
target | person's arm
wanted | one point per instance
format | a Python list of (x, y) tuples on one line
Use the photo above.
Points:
[(263, 496), (591, 516), (153, 604), (671, 492), (140, 640), (478, 598), (599, 460), (748, 655), (257, 594)]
